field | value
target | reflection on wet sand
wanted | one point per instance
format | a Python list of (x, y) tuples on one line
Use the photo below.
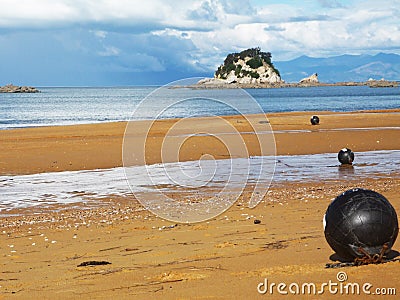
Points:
[(211, 175)]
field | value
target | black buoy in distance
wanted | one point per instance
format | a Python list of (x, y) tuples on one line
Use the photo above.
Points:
[(314, 120), (346, 156), (360, 221)]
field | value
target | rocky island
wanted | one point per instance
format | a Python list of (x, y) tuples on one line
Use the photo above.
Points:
[(10, 88), (253, 68), (249, 68)]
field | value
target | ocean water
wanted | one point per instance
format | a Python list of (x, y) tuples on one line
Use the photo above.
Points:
[(63, 106)]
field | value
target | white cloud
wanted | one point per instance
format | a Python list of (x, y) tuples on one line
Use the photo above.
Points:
[(34, 13), (198, 34), (156, 13), (110, 51), (100, 34), (288, 31)]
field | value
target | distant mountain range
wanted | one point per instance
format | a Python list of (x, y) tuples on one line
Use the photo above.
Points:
[(341, 68)]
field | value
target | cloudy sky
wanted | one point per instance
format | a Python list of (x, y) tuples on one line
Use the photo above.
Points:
[(121, 42)]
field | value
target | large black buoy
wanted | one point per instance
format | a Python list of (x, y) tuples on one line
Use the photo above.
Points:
[(314, 120), (360, 221), (346, 156)]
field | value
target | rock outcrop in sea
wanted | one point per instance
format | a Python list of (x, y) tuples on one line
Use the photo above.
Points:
[(310, 79), (10, 88), (249, 68), (381, 83)]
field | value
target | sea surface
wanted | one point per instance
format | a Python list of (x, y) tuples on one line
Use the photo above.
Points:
[(72, 105)]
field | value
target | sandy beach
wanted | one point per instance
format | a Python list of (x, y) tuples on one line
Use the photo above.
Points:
[(226, 257), (86, 147)]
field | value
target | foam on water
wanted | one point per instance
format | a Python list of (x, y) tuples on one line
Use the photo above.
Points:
[(46, 189)]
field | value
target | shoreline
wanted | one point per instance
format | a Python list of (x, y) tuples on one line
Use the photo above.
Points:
[(62, 190), (276, 85), (42, 249), (311, 112), (99, 146)]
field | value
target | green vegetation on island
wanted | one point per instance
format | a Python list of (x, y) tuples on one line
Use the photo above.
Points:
[(246, 64)]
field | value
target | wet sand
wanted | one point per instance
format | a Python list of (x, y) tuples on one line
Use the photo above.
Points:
[(226, 257), (86, 147)]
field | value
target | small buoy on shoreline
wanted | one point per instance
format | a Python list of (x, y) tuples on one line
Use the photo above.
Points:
[(314, 120), (361, 224), (346, 156)]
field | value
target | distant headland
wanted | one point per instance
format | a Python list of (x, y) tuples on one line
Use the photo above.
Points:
[(253, 68), (10, 88)]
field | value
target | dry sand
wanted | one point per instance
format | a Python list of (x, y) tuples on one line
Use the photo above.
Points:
[(223, 258)]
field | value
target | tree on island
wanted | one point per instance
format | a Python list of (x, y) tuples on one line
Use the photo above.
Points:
[(256, 59)]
